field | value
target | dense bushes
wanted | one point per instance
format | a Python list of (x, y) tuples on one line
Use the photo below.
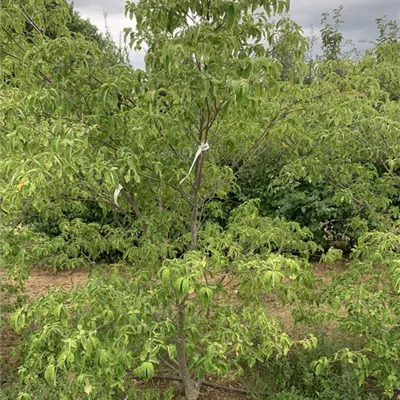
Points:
[(311, 205), (294, 378)]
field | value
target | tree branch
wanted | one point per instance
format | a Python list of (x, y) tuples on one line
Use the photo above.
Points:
[(130, 198), (184, 194), (206, 383), (30, 20)]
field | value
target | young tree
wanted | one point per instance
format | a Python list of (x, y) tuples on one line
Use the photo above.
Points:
[(332, 38), (207, 74), (389, 31)]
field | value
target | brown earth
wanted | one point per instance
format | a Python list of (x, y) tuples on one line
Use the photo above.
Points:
[(40, 281)]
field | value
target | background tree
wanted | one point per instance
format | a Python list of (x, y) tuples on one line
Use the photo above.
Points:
[(331, 37), (153, 139)]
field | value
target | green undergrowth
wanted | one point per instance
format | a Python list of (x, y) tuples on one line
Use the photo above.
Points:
[(294, 378), (288, 378), (16, 390)]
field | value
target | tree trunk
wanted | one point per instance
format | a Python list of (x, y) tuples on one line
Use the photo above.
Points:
[(195, 209), (192, 389)]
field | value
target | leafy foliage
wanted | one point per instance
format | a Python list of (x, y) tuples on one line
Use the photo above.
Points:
[(60, 174), (331, 36), (336, 169), (364, 301), (127, 323), (99, 155), (293, 377)]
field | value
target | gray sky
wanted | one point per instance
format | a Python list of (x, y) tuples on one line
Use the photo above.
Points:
[(358, 15)]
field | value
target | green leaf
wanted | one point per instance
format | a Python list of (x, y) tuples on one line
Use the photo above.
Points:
[(165, 274), (103, 358), (50, 375), (205, 295), (88, 388), (24, 396), (146, 370), (182, 284), (18, 321), (230, 14)]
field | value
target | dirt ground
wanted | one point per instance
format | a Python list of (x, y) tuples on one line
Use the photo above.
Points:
[(41, 281)]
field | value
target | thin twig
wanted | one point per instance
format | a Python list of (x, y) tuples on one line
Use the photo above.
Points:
[(30, 20)]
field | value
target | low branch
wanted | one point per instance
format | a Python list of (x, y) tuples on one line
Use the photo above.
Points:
[(92, 200), (391, 92), (130, 198), (182, 192), (44, 76), (259, 140), (206, 383)]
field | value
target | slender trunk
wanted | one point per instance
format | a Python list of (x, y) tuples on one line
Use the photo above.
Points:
[(195, 209), (192, 389)]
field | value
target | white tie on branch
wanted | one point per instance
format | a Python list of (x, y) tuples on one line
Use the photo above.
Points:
[(203, 147), (116, 194)]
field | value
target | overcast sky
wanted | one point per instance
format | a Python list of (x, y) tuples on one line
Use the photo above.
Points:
[(358, 15)]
